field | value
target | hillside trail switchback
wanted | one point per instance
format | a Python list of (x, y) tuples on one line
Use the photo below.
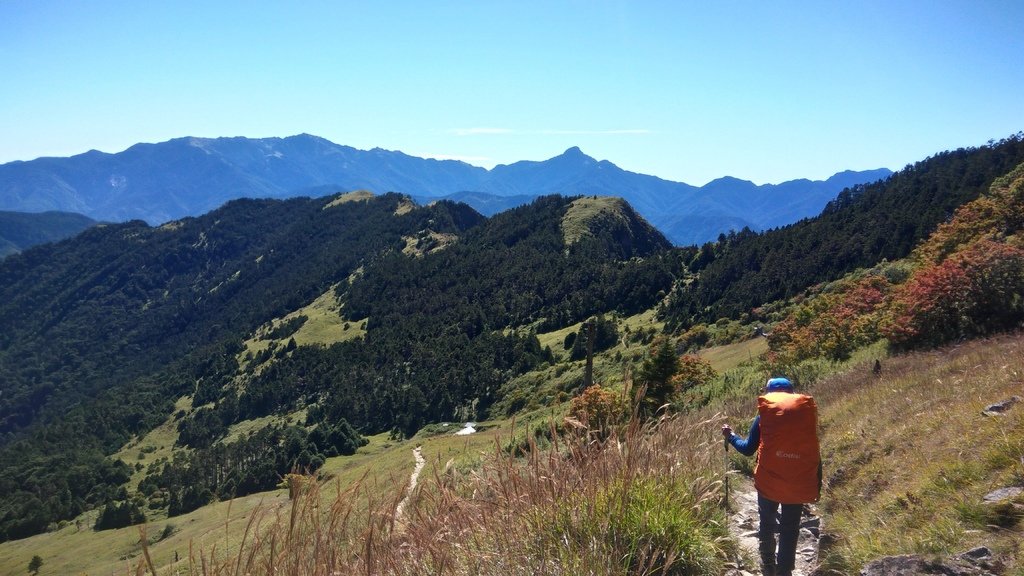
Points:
[(743, 523)]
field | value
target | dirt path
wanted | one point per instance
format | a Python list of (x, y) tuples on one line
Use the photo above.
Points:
[(417, 454), (743, 524)]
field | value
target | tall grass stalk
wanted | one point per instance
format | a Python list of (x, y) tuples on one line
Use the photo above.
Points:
[(642, 501)]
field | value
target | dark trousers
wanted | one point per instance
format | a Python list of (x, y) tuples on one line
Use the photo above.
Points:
[(788, 528)]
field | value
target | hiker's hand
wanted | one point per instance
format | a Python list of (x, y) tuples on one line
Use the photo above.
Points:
[(726, 431)]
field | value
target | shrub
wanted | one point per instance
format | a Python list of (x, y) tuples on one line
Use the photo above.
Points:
[(598, 407), (693, 371), (832, 325)]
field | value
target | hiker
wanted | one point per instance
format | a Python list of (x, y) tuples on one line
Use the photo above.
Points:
[(784, 435)]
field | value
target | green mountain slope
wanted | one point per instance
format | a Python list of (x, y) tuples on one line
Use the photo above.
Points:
[(21, 230), (106, 333)]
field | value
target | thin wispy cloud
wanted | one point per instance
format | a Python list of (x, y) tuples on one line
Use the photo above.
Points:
[(481, 131), (595, 132), (488, 131)]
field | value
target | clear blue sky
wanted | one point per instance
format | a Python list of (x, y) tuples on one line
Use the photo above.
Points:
[(688, 91)]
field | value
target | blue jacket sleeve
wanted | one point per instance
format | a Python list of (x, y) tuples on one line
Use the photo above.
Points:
[(748, 446)]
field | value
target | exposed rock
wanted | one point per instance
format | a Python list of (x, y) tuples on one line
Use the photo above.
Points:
[(974, 555), (982, 557), (812, 525), (827, 540), (1003, 494), (1000, 407), (913, 565)]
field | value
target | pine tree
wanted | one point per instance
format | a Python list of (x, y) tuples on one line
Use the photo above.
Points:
[(657, 372)]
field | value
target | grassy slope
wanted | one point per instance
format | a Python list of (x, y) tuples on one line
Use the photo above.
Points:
[(384, 465), (729, 356), (354, 196), (577, 219), (325, 325), (909, 454), (158, 443)]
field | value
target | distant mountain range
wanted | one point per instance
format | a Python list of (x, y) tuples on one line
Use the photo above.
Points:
[(191, 176)]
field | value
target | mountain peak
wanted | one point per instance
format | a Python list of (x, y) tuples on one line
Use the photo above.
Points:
[(726, 182), (625, 232), (575, 153)]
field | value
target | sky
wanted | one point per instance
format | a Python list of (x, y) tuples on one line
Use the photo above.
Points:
[(687, 91)]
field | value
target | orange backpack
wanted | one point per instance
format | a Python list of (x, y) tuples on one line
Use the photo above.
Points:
[(788, 458)]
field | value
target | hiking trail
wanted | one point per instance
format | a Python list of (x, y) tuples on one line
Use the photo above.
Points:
[(417, 454), (743, 523)]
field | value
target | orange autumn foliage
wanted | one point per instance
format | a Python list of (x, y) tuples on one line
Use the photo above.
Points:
[(976, 291), (969, 281), (598, 407), (831, 325)]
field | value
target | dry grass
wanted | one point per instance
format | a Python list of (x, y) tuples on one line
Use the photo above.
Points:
[(729, 356), (908, 457), (382, 467), (583, 211), (354, 196), (643, 504)]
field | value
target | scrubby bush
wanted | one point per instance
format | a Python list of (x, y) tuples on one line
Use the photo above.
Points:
[(598, 407), (693, 371)]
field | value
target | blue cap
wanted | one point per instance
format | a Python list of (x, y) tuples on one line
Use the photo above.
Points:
[(779, 385)]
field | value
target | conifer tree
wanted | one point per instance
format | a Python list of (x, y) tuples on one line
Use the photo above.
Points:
[(657, 372)]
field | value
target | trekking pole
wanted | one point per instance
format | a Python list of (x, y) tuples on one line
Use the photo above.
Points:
[(725, 444)]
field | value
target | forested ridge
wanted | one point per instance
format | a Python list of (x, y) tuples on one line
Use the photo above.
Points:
[(103, 332), (106, 331), (862, 226), (435, 347)]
